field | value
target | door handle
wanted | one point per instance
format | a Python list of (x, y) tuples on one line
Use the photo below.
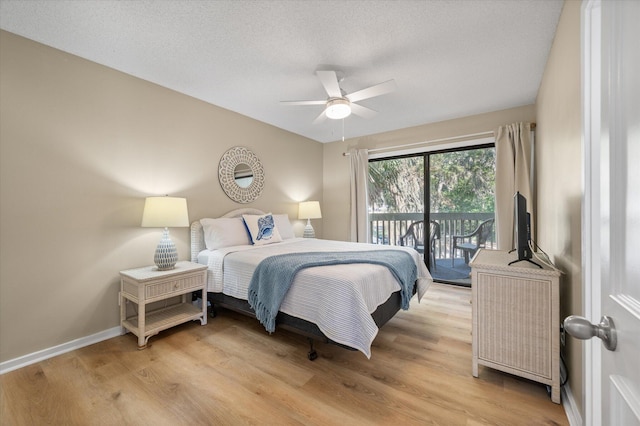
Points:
[(581, 328)]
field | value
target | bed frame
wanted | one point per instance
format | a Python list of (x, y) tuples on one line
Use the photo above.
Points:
[(381, 315)]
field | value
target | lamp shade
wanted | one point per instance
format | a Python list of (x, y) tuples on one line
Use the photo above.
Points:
[(309, 210), (165, 212)]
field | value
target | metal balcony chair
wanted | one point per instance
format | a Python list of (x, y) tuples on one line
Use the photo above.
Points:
[(466, 243), (414, 237)]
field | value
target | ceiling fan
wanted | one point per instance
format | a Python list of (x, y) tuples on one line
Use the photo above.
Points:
[(340, 104)]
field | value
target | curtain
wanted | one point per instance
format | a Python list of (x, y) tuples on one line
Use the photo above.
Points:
[(514, 172), (359, 226)]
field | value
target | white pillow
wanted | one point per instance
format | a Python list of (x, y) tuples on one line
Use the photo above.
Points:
[(224, 232), (284, 226), (262, 229)]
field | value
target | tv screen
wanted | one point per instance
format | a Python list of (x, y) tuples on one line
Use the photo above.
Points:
[(522, 227)]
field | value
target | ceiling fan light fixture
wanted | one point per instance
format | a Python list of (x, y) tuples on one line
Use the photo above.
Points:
[(338, 108)]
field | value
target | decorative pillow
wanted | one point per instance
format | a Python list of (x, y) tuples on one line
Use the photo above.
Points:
[(262, 229), (283, 226), (224, 232)]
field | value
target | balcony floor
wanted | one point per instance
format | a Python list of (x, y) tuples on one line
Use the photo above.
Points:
[(459, 274)]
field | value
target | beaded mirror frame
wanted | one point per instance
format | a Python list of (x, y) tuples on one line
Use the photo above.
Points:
[(227, 175)]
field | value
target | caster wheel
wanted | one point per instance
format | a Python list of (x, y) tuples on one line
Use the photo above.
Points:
[(312, 355)]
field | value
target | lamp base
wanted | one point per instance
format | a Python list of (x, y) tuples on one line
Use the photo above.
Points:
[(166, 255), (308, 230)]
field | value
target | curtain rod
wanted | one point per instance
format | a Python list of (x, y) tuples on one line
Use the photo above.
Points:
[(434, 141), (426, 143)]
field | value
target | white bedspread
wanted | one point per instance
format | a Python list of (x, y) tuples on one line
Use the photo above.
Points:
[(339, 299)]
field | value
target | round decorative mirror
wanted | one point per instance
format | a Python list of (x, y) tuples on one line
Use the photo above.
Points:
[(241, 175)]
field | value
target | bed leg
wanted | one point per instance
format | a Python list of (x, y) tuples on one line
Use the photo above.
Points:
[(312, 355), (195, 295), (211, 307)]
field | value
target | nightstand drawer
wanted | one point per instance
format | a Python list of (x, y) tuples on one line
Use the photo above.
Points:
[(177, 286)]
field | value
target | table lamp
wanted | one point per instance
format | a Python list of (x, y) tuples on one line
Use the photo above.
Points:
[(165, 212), (309, 210)]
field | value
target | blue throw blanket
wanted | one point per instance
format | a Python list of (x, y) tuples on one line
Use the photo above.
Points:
[(273, 276)]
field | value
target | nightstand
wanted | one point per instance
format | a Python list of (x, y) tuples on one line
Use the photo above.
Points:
[(143, 286)]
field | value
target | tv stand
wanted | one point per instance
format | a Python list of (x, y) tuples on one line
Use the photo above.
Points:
[(524, 260), (516, 317)]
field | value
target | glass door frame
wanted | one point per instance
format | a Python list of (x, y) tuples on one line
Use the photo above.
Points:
[(426, 156)]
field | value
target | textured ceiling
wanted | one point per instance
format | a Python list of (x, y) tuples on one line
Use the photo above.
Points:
[(450, 58)]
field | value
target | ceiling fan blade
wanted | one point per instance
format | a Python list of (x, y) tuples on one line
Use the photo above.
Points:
[(303, 102), (329, 80), (321, 118), (362, 111), (373, 91)]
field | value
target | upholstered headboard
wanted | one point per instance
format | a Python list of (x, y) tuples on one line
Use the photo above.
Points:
[(197, 235)]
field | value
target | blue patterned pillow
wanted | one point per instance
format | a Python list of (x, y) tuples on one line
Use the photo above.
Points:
[(262, 229)]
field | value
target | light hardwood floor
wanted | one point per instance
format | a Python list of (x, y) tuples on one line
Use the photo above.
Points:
[(232, 372)]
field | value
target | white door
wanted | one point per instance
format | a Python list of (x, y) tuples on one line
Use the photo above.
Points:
[(611, 234)]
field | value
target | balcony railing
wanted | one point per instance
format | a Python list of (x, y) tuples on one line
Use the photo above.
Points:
[(387, 228)]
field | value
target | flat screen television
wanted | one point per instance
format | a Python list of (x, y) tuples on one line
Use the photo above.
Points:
[(522, 225)]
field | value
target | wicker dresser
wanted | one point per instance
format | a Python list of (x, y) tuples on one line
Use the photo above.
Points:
[(516, 325)]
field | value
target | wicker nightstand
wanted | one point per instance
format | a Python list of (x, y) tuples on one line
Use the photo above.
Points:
[(146, 285)]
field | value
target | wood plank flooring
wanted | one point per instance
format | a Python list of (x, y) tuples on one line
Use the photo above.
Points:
[(231, 372)]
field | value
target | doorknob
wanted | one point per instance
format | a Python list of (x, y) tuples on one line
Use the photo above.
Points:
[(581, 328)]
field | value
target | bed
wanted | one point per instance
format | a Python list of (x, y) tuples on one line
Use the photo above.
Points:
[(343, 304)]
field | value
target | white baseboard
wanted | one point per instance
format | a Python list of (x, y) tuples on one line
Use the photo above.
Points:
[(23, 361), (570, 407)]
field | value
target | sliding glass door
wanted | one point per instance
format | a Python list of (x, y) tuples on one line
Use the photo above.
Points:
[(441, 203), (461, 206), (396, 199)]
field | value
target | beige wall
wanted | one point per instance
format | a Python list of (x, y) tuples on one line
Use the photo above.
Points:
[(335, 213), (81, 145), (559, 151)]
